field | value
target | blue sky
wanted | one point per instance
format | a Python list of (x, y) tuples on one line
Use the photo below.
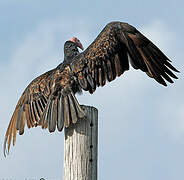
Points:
[(141, 123)]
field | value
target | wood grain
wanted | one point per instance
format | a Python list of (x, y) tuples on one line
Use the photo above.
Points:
[(80, 147)]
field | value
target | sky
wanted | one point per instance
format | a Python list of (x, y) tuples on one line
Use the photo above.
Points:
[(141, 123)]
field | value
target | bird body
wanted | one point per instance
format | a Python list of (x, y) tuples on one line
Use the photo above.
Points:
[(49, 100)]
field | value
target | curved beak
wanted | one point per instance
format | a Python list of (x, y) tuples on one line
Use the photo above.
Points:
[(77, 41), (79, 44)]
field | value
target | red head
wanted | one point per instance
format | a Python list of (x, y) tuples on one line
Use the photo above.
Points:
[(77, 41)]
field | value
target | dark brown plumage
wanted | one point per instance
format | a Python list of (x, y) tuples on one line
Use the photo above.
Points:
[(49, 101)]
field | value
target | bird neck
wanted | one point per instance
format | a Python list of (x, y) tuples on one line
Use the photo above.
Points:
[(69, 56)]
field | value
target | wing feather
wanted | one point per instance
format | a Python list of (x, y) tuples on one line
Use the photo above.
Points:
[(60, 120), (108, 57), (47, 101), (27, 116), (67, 118), (29, 109)]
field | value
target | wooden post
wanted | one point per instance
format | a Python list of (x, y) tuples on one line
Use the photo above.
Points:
[(80, 147)]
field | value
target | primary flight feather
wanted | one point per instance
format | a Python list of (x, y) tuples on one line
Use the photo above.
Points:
[(49, 100)]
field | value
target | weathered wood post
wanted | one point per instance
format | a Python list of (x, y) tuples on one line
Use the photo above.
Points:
[(80, 147)]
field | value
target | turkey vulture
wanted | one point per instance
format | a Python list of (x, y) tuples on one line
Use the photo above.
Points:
[(49, 100)]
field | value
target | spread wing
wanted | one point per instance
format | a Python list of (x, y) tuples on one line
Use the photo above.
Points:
[(48, 101), (29, 107), (107, 57)]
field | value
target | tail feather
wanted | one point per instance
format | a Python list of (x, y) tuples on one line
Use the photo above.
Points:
[(80, 113), (52, 116), (69, 111), (67, 118), (60, 120), (72, 109)]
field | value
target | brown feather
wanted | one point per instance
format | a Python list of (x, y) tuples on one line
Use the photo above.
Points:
[(80, 113), (100, 73), (118, 67), (82, 81), (27, 115), (32, 113), (13, 129), (43, 100), (67, 118), (90, 81), (22, 124), (44, 117), (105, 72), (50, 117), (96, 77), (155, 72), (14, 133), (35, 112), (54, 116), (8, 136), (38, 109), (40, 106), (18, 120), (157, 64), (10, 130), (72, 109), (109, 71), (60, 120)]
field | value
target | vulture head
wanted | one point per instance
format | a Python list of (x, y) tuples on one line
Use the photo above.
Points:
[(71, 49)]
